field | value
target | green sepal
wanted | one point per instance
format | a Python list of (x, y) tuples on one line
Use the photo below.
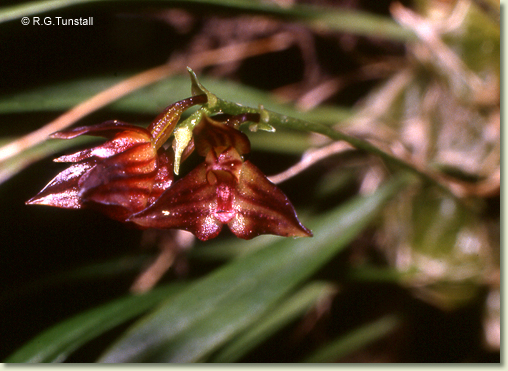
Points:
[(183, 136), (197, 89)]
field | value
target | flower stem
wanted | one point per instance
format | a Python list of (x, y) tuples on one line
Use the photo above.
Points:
[(284, 121)]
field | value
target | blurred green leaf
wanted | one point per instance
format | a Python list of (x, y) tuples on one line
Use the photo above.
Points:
[(229, 249), (153, 98), (214, 309), (56, 343), (290, 309), (58, 96), (355, 340)]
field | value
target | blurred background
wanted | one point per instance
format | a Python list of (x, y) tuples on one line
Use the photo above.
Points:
[(419, 80)]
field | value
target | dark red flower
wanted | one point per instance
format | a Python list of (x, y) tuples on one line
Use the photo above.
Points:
[(224, 189), (119, 177), (122, 176)]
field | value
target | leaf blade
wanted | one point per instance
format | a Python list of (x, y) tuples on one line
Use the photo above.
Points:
[(355, 340), (214, 309), (57, 342)]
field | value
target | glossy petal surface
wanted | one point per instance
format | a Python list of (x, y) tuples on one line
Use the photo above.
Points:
[(212, 134), (224, 189), (188, 204), (263, 208), (63, 190), (120, 177)]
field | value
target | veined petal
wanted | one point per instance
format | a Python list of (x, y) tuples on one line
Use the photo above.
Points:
[(124, 182), (63, 190), (225, 159), (188, 204), (209, 134), (120, 142), (263, 208), (164, 177), (120, 177), (163, 125), (107, 129)]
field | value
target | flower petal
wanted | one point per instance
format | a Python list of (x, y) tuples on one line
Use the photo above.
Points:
[(263, 208), (210, 134), (107, 129), (123, 182), (120, 142), (164, 177), (188, 204), (163, 125), (63, 190)]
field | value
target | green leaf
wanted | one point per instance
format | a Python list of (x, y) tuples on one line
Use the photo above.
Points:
[(355, 340), (152, 99), (58, 96), (290, 309), (56, 343), (211, 311)]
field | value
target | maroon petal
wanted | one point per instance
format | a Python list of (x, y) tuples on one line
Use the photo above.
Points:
[(210, 134), (188, 204), (107, 129), (63, 191), (263, 208), (162, 127), (121, 142), (124, 182), (164, 177)]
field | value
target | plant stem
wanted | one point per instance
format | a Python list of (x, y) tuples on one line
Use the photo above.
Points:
[(285, 121)]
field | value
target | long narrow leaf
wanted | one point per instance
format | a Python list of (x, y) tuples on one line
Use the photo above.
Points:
[(213, 310), (355, 340), (290, 309), (154, 98), (56, 343)]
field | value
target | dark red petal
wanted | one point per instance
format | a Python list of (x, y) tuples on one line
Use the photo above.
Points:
[(107, 129), (263, 208), (63, 191), (188, 204), (164, 177), (121, 142), (124, 180), (210, 134)]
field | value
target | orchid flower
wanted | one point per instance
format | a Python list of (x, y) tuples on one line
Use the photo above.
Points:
[(122, 176), (224, 189)]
